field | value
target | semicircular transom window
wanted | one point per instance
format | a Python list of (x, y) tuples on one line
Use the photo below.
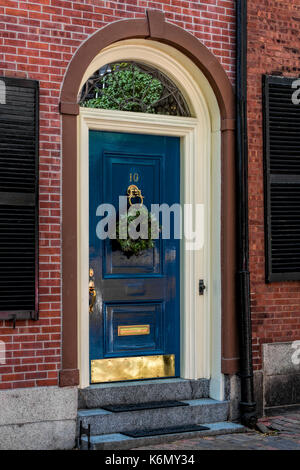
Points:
[(133, 86)]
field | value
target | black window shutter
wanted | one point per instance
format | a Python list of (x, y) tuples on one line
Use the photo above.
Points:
[(19, 143), (282, 179)]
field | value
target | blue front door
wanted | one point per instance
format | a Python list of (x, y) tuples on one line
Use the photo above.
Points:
[(135, 316)]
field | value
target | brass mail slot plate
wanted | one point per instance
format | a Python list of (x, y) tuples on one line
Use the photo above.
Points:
[(132, 368), (128, 330)]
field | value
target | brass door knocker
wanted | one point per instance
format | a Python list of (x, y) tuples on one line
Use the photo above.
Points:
[(133, 191)]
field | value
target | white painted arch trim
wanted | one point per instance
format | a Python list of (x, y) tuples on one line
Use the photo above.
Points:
[(200, 184)]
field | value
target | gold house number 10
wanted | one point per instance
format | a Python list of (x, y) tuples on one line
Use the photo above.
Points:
[(133, 177)]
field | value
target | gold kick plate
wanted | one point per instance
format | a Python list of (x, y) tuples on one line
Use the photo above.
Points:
[(132, 368), (131, 330)]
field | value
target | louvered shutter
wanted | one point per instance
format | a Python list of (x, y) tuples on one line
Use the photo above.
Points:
[(282, 179), (19, 110)]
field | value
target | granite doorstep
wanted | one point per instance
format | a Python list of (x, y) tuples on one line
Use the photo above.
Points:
[(120, 441), (99, 395), (198, 411)]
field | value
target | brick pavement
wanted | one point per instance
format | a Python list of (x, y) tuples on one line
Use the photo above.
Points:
[(285, 435)]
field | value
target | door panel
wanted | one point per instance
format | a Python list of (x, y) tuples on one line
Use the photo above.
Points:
[(147, 174), (137, 305), (144, 321)]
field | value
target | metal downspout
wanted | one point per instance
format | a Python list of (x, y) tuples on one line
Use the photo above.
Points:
[(247, 403)]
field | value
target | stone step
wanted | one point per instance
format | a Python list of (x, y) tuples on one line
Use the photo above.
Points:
[(203, 410), (99, 395), (118, 441)]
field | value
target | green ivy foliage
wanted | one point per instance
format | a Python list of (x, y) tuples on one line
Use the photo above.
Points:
[(136, 247), (127, 89)]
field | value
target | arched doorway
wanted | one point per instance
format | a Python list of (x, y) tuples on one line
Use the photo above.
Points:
[(206, 141)]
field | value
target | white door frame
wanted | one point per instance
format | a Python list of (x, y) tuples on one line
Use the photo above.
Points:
[(200, 184)]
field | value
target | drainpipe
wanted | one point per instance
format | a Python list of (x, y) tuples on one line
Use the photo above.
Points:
[(247, 404)]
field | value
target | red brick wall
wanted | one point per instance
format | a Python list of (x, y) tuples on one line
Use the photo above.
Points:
[(273, 47), (37, 40)]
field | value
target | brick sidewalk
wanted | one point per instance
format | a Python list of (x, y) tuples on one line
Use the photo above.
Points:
[(285, 436)]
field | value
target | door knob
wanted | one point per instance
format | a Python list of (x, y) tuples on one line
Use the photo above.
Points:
[(92, 291), (93, 295)]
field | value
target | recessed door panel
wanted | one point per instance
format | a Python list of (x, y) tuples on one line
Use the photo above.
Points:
[(133, 328), (135, 313), (147, 172)]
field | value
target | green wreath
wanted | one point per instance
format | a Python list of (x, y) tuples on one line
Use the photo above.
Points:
[(130, 246)]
